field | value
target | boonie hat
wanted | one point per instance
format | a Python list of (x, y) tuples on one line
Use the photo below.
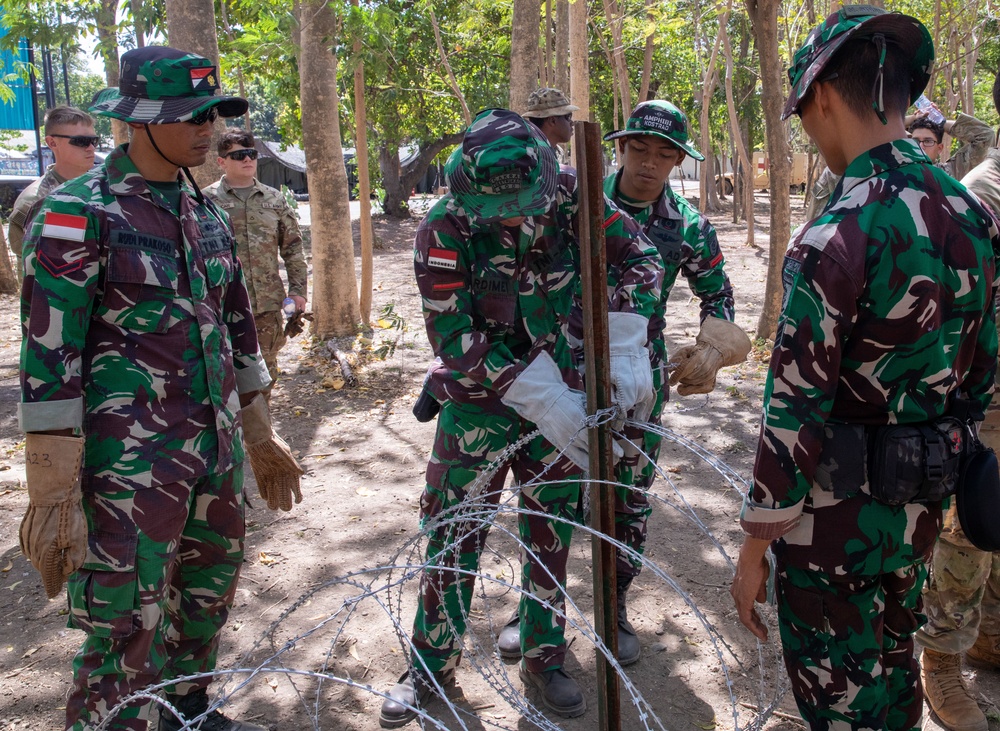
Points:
[(546, 102), (504, 168), (161, 85), (659, 119), (907, 34)]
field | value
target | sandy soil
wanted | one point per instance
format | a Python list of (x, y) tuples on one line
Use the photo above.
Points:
[(328, 590)]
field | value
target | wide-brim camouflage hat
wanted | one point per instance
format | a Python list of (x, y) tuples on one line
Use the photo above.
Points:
[(504, 168), (161, 85), (903, 32), (659, 119), (546, 102)]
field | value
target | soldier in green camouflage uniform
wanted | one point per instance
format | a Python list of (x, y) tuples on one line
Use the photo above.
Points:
[(962, 598), (266, 227), (498, 270), (887, 319), (69, 133), (139, 338)]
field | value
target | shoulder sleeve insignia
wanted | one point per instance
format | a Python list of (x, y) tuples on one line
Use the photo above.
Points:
[(442, 259), (64, 226)]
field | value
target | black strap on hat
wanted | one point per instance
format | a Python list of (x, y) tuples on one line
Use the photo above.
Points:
[(878, 86), (187, 173)]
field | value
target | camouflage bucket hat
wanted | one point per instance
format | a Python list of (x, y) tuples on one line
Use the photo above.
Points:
[(902, 32), (548, 103), (504, 168), (659, 119), (161, 85)]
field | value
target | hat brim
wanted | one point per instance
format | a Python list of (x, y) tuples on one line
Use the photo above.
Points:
[(170, 110), (909, 33), (533, 200), (619, 133), (553, 112)]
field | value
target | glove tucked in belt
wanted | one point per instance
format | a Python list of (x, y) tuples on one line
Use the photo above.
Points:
[(54, 529), (276, 469)]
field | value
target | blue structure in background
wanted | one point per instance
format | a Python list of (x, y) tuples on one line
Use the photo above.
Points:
[(16, 115)]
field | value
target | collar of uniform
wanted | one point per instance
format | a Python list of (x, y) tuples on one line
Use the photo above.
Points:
[(224, 184), (878, 160), (50, 172), (124, 178), (664, 207)]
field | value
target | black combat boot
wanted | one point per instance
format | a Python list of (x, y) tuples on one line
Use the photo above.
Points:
[(192, 706), (629, 648)]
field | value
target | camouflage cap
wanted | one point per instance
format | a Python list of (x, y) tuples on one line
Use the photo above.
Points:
[(659, 119), (504, 168), (547, 102), (161, 85), (902, 32)]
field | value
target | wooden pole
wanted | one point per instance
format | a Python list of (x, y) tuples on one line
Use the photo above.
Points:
[(593, 270), (364, 185)]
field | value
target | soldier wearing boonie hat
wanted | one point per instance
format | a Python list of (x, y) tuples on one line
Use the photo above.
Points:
[(887, 319), (140, 368), (498, 273), (654, 141), (550, 111)]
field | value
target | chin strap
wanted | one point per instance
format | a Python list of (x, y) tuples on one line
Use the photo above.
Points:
[(877, 88), (187, 173)]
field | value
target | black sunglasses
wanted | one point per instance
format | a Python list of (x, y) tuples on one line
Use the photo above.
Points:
[(247, 154), (209, 115), (83, 141)]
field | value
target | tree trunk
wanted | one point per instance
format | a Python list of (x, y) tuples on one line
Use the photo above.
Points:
[(524, 52), (396, 200), (708, 201), (579, 59), (647, 57), (8, 279), (364, 185), (561, 77), (615, 22), (734, 125), (107, 45), (335, 294), (449, 74), (764, 19), (191, 27)]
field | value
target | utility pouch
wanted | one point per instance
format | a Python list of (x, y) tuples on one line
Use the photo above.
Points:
[(842, 460), (916, 463), (426, 406)]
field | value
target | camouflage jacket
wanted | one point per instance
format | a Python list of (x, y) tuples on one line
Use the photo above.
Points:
[(887, 314), (265, 227), (136, 328), (976, 137), (687, 243), (22, 207), (493, 297)]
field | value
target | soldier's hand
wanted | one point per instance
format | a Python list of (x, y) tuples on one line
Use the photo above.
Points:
[(53, 532), (296, 323), (750, 584), (277, 471)]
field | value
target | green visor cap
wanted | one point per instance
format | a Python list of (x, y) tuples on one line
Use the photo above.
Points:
[(504, 168), (902, 32), (659, 119), (161, 85)]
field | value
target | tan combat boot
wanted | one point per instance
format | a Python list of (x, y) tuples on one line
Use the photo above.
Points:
[(986, 652), (947, 695)]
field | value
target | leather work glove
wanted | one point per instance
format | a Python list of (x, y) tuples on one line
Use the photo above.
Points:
[(296, 323), (276, 469), (541, 396), (54, 529), (631, 374), (719, 343)]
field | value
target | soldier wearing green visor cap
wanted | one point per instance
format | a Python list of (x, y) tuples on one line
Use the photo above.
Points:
[(886, 336), (140, 398)]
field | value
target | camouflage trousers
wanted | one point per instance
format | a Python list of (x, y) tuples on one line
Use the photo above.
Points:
[(468, 438), (635, 474), (155, 590), (848, 647), (962, 597), (271, 338)]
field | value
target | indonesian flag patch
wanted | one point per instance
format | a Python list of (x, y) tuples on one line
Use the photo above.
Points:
[(64, 226), (442, 259), (204, 79)]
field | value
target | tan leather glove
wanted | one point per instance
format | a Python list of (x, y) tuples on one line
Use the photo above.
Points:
[(276, 469), (54, 530), (720, 343)]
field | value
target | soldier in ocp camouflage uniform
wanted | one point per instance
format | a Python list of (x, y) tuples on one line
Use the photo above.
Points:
[(139, 365), (887, 319), (266, 227), (498, 267)]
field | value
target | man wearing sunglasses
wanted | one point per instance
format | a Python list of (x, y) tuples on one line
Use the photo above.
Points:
[(69, 133), (266, 228), (140, 398)]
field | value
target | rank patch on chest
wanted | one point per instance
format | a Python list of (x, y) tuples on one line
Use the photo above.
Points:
[(442, 259), (64, 226)]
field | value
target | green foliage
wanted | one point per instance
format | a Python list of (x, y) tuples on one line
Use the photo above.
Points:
[(82, 87)]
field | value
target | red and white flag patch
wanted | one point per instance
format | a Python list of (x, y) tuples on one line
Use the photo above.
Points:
[(204, 78), (442, 259), (64, 226)]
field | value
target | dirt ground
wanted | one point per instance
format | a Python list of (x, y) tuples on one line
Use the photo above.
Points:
[(327, 592)]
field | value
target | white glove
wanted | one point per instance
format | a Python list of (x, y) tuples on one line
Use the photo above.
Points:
[(540, 395), (719, 343), (631, 374)]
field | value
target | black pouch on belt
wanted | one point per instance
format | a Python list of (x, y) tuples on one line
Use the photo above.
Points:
[(916, 463), (426, 406)]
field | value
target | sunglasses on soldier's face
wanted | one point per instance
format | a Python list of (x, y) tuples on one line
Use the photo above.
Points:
[(246, 154), (83, 141), (209, 115)]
